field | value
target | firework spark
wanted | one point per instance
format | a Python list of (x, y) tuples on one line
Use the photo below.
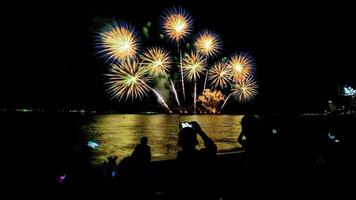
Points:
[(117, 41), (242, 66), (195, 97), (181, 72), (127, 79), (222, 107), (157, 61), (220, 75), (244, 90), (193, 66), (177, 23), (208, 43), (174, 92), (161, 100)]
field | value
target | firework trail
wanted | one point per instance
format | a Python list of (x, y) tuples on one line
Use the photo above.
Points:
[(193, 65), (208, 44), (206, 74), (206, 78), (177, 24), (181, 72), (161, 100), (225, 102), (195, 96), (117, 41), (174, 92)]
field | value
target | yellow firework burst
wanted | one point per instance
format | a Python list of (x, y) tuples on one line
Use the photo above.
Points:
[(220, 75), (242, 66), (208, 43), (193, 66), (210, 100), (245, 90), (177, 23), (117, 41), (127, 79), (157, 61)]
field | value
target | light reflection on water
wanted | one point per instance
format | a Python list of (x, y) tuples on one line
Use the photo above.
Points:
[(118, 134)]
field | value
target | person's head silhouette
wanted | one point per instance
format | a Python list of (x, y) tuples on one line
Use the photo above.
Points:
[(250, 123), (144, 141), (187, 138)]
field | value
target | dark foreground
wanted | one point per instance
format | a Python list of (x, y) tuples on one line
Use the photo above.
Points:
[(306, 156)]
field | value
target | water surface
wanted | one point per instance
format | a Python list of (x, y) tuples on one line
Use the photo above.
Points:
[(118, 134)]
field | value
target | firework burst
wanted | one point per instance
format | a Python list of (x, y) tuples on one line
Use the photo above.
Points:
[(157, 61), (117, 41), (210, 100), (127, 79), (132, 70), (193, 66), (245, 90), (177, 23), (208, 43), (242, 66), (220, 75)]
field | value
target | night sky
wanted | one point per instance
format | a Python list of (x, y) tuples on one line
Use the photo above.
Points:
[(303, 51)]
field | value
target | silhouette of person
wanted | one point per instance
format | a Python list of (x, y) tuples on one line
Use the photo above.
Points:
[(136, 165), (188, 140), (257, 146), (252, 130), (109, 167), (142, 152), (196, 167), (134, 172)]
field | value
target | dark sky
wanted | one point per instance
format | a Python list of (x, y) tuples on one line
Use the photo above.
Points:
[(302, 50)]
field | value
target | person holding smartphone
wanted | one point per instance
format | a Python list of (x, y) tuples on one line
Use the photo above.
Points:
[(188, 140), (195, 169)]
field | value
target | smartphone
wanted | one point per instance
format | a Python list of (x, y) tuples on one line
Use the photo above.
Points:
[(185, 124)]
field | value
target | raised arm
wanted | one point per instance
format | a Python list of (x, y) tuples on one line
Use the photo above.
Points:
[(208, 142)]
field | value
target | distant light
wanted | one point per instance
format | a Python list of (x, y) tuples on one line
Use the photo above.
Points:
[(61, 179), (331, 136), (149, 113), (24, 110), (93, 145), (348, 91)]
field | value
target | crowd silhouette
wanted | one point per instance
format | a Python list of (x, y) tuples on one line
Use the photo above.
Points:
[(275, 155)]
